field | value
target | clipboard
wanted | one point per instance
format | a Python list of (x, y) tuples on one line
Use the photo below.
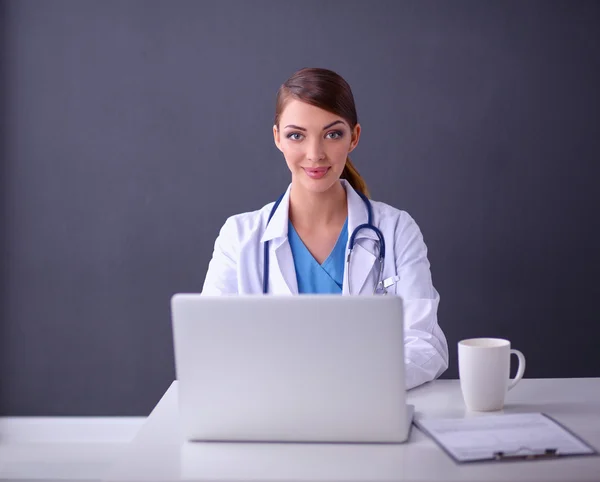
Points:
[(504, 437)]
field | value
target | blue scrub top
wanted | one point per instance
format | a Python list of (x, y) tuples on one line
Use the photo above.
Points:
[(312, 277)]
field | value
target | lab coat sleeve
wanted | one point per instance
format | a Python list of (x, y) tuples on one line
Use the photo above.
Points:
[(426, 349), (221, 277)]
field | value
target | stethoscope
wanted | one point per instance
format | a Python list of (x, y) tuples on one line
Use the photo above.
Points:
[(380, 285)]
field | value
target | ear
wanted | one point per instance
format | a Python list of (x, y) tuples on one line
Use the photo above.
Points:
[(355, 137), (277, 137)]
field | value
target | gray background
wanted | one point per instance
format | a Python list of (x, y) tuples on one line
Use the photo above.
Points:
[(131, 130)]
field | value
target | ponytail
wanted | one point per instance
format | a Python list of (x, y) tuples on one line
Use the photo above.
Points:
[(350, 173)]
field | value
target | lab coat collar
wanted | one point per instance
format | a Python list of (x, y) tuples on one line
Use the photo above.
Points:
[(277, 229), (363, 260), (357, 213), (282, 272)]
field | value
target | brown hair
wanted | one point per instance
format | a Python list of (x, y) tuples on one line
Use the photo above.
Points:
[(329, 91)]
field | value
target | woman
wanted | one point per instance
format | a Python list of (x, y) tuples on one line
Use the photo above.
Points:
[(305, 234)]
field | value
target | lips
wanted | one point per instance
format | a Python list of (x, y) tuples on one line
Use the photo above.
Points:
[(317, 172)]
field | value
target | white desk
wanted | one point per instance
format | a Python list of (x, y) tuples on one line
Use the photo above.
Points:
[(158, 453), (63, 449)]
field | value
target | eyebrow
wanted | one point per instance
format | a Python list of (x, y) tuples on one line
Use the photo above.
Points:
[(324, 128)]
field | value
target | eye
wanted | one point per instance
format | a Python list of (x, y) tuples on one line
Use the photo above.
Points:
[(295, 136), (335, 135)]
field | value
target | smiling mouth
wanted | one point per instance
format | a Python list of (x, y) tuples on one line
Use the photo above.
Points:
[(316, 173)]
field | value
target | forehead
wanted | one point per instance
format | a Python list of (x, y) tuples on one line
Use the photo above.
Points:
[(306, 115)]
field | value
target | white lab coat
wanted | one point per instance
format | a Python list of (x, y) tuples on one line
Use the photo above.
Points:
[(237, 268)]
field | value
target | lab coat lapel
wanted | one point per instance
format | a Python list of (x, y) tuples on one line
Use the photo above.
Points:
[(282, 273), (363, 260), (361, 266)]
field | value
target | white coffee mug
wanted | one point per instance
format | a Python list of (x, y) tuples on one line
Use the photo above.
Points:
[(484, 370)]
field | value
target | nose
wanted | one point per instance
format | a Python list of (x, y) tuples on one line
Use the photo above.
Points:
[(316, 152)]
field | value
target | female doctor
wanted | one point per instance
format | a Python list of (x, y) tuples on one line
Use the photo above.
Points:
[(301, 242)]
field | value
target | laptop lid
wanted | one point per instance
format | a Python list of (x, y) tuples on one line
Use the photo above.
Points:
[(308, 368)]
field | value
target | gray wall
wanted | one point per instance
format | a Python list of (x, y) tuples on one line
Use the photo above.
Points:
[(131, 130)]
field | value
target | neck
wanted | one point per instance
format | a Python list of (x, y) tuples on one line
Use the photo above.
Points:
[(318, 208)]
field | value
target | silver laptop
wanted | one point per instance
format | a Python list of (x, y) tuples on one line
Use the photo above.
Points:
[(308, 368)]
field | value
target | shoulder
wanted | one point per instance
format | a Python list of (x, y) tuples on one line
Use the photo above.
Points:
[(389, 216), (407, 237), (243, 224)]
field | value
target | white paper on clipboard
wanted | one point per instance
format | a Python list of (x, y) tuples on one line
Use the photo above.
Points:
[(506, 436)]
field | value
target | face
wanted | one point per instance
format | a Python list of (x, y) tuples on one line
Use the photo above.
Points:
[(315, 144)]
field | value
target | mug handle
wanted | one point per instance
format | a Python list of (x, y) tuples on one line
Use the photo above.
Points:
[(520, 370)]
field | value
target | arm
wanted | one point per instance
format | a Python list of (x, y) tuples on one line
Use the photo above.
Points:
[(425, 346), (221, 277)]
